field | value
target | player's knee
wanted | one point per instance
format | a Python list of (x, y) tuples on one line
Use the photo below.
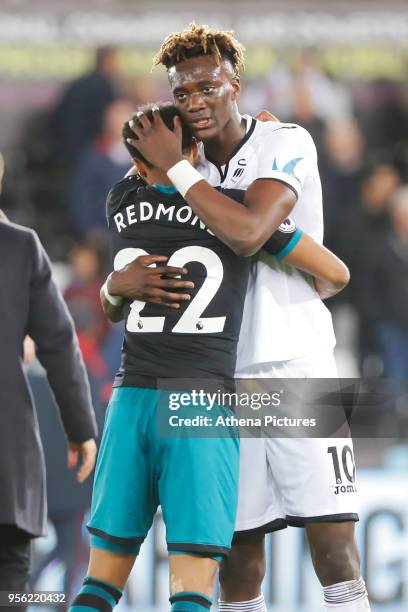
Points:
[(336, 562), (241, 574), (192, 574)]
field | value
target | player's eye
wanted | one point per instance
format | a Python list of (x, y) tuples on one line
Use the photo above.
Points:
[(208, 90), (181, 97)]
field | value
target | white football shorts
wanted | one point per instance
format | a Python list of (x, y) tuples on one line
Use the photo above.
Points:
[(293, 481)]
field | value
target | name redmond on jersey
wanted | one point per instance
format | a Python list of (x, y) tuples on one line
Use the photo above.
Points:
[(145, 212)]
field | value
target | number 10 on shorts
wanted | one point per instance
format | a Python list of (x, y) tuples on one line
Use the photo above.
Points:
[(344, 465)]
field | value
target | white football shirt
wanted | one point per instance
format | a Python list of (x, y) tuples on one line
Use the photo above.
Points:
[(284, 317)]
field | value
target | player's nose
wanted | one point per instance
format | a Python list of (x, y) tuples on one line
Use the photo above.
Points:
[(195, 102)]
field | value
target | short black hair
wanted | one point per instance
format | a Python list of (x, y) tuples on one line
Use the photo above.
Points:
[(167, 112)]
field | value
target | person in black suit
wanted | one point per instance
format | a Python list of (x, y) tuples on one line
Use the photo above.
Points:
[(31, 304)]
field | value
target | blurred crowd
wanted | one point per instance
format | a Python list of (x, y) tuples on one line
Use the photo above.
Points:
[(70, 153)]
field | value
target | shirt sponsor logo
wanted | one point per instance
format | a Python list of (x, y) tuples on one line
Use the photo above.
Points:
[(350, 488)]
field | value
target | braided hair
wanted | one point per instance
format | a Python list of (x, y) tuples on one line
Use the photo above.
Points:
[(199, 40)]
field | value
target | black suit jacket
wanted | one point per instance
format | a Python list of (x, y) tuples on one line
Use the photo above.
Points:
[(31, 304)]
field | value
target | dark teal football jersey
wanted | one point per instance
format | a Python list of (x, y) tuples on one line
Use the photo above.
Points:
[(200, 339)]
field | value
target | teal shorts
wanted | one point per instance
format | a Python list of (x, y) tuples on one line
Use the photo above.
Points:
[(193, 478)]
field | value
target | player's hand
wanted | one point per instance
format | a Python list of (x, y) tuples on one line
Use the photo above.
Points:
[(159, 145), (265, 115), (138, 280), (88, 451)]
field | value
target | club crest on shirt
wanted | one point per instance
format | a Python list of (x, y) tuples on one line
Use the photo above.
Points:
[(238, 172)]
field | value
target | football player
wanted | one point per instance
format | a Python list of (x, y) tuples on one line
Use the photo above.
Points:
[(282, 481)]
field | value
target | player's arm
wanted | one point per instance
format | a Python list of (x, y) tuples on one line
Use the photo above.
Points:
[(243, 229), (291, 245), (330, 274), (112, 305), (146, 278), (138, 280)]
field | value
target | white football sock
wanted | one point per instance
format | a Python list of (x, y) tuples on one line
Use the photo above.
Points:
[(350, 596), (253, 605)]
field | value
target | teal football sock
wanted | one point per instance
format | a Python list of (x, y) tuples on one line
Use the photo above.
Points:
[(189, 601), (96, 595)]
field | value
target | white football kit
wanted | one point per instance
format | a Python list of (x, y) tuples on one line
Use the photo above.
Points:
[(286, 332)]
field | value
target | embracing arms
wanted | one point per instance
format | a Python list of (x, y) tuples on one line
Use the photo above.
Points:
[(243, 229), (138, 281)]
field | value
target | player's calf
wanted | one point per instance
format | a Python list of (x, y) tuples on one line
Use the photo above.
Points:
[(107, 575), (241, 574), (336, 561), (334, 552)]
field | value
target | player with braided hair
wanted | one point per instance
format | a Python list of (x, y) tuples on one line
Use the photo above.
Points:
[(201, 40), (282, 481)]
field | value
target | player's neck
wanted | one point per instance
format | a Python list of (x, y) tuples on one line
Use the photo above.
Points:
[(219, 149), (160, 181), (158, 177)]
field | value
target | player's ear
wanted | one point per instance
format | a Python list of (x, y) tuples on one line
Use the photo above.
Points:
[(236, 86), (141, 167)]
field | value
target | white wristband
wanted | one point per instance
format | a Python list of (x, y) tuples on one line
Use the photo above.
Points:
[(183, 176), (115, 300)]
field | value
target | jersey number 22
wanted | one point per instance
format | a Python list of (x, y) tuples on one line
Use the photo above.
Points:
[(191, 321)]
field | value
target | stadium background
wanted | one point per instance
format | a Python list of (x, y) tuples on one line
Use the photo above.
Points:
[(338, 68)]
